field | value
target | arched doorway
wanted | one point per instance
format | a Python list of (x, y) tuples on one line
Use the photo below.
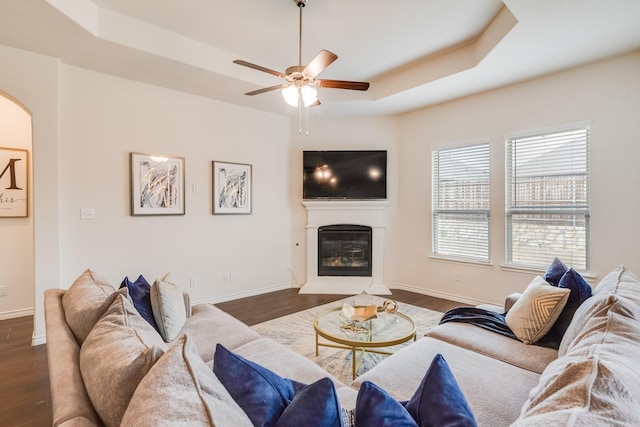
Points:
[(17, 272)]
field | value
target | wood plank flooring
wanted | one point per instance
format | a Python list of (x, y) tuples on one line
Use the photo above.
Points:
[(24, 377)]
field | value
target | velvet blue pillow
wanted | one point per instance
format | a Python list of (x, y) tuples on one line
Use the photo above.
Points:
[(580, 291), (270, 400), (555, 272), (139, 291), (438, 401)]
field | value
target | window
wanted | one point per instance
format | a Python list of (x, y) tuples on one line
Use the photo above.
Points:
[(547, 200), (461, 202)]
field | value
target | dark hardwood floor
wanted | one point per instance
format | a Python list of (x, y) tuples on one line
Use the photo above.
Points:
[(260, 308), (24, 378)]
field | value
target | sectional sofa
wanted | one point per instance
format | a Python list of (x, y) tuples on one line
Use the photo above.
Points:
[(109, 366)]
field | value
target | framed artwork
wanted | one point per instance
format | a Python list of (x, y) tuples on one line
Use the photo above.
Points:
[(157, 185), (14, 183), (231, 188)]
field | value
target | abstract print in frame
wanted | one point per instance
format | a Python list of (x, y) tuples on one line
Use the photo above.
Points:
[(231, 188), (14, 182), (157, 185)]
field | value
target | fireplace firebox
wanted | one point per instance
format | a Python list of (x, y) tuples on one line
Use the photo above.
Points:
[(344, 250)]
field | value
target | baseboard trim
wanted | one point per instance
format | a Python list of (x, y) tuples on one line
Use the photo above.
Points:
[(444, 295), (251, 293), (16, 313), (38, 340)]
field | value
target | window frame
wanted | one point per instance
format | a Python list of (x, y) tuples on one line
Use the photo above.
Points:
[(582, 210), (437, 211)]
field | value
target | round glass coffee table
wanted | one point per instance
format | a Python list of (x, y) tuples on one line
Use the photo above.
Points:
[(385, 330)]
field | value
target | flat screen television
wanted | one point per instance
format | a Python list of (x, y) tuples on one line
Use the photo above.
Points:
[(355, 175)]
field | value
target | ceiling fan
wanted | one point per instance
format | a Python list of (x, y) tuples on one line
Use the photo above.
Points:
[(300, 80)]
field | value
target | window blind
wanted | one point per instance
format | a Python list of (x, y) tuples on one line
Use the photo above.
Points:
[(461, 199), (547, 203)]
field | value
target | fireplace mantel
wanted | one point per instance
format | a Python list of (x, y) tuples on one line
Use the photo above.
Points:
[(356, 212)]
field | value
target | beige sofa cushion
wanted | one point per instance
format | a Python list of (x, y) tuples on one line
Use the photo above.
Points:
[(597, 381), (621, 282), (208, 326), (167, 303), (85, 302), (531, 357), (181, 390), (117, 354), (494, 390), (534, 313)]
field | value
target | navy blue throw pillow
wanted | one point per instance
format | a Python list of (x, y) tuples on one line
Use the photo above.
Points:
[(438, 401), (140, 293), (272, 401), (555, 272), (580, 291)]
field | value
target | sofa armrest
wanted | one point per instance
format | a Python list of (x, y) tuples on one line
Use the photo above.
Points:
[(510, 300), (70, 403), (187, 303)]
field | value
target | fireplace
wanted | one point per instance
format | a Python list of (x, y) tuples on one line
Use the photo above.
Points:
[(350, 277), (344, 250)]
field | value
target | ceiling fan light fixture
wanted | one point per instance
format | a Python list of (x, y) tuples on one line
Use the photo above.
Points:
[(290, 95), (293, 94), (309, 95)]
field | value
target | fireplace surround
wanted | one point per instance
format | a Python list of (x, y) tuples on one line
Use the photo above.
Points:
[(366, 213)]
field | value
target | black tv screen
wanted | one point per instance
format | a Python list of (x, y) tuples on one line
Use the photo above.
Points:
[(344, 174)]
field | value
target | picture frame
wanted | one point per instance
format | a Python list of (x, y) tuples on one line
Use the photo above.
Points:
[(232, 185), (14, 183), (157, 184)]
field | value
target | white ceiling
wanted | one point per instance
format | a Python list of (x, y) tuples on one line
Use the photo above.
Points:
[(415, 53)]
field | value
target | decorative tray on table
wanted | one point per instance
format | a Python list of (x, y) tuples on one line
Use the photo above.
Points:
[(368, 312)]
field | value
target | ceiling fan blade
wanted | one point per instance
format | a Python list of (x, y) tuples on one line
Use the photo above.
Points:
[(259, 68), (315, 104), (343, 84), (267, 89), (322, 60)]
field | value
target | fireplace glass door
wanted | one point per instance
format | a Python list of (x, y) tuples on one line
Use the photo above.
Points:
[(344, 250)]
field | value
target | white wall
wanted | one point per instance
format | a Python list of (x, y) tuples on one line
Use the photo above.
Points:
[(16, 252), (32, 80), (85, 124), (102, 120), (606, 93)]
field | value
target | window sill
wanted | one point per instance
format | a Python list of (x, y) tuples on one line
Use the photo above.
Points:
[(587, 275), (453, 260)]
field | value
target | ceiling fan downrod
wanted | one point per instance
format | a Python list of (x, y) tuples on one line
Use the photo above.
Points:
[(300, 4)]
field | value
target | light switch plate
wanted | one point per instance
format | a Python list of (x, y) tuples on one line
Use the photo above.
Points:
[(87, 213)]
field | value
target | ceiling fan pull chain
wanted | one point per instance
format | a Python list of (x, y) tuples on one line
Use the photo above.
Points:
[(299, 115), (306, 110)]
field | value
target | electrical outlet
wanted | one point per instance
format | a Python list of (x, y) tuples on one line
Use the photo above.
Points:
[(226, 277), (4, 291), (193, 282)]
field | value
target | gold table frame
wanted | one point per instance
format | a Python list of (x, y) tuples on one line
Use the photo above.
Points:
[(358, 348)]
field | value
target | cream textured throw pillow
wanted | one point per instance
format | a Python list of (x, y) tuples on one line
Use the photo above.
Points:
[(168, 308), (85, 302), (117, 354), (536, 310), (181, 390)]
